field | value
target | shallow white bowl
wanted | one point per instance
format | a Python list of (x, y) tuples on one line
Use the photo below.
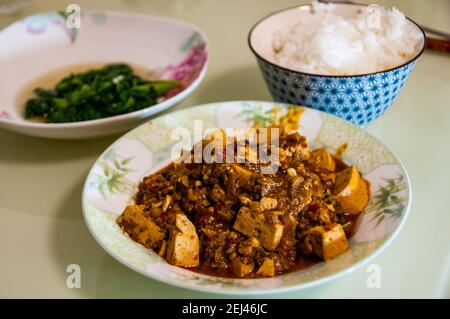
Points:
[(358, 98), (113, 180), (43, 44)]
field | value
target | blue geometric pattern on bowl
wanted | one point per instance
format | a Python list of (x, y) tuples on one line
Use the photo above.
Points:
[(359, 99)]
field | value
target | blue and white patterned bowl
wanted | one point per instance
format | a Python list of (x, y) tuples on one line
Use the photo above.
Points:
[(357, 98)]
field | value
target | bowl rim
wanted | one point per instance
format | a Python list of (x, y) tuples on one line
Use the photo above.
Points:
[(127, 116), (388, 240), (259, 56)]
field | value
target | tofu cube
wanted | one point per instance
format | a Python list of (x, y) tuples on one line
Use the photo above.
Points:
[(267, 269), (246, 222), (327, 242), (184, 247), (140, 227), (255, 225), (240, 268), (270, 235), (351, 191), (321, 158)]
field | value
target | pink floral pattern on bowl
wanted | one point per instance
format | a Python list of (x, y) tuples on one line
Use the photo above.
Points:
[(188, 70)]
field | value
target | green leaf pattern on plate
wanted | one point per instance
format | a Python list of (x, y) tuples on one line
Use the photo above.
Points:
[(363, 151), (256, 116), (113, 177), (386, 202), (156, 135), (194, 40)]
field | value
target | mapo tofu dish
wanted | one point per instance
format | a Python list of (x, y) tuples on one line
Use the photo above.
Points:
[(233, 220)]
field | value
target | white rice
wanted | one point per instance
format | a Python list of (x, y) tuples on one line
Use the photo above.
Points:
[(325, 43)]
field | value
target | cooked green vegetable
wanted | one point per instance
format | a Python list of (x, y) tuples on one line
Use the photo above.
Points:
[(111, 90)]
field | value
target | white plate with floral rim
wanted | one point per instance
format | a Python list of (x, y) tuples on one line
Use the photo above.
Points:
[(112, 182), (41, 49)]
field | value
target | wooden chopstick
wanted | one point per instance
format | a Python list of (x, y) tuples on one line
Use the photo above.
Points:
[(438, 44), (439, 33)]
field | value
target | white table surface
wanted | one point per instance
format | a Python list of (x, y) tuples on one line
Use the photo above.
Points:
[(43, 231)]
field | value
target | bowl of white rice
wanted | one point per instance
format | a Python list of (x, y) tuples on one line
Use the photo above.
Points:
[(350, 60)]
